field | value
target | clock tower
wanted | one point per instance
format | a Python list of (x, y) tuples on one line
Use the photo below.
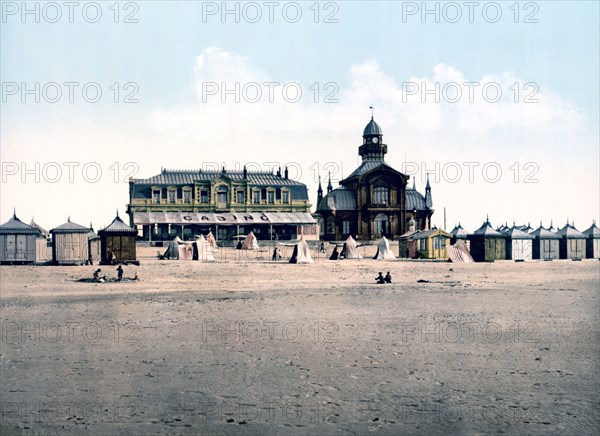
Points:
[(372, 148)]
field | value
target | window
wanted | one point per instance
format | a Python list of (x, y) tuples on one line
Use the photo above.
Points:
[(346, 227), (203, 196), (156, 196), (172, 196), (331, 225), (241, 197), (321, 226), (381, 224), (271, 197), (381, 195), (286, 197), (256, 197), (439, 242), (187, 197), (222, 197), (422, 244)]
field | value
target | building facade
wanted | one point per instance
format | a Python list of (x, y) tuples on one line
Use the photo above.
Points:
[(185, 203), (374, 200)]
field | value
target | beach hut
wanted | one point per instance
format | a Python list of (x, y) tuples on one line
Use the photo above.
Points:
[(350, 249), (117, 243), (41, 243), (432, 244), (301, 252), (572, 243), (592, 243), (545, 244), (459, 234), (70, 244), (383, 250), (519, 245), (407, 246), (18, 242), (93, 245), (487, 244)]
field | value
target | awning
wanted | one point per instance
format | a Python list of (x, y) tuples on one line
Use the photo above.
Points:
[(229, 218)]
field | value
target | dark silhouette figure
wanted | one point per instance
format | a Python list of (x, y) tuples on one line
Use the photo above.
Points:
[(120, 273), (388, 278), (380, 279), (335, 254), (322, 247), (275, 253)]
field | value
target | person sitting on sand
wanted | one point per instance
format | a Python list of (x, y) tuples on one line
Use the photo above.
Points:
[(120, 273), (380, 279), (97, 277), (388, 278)]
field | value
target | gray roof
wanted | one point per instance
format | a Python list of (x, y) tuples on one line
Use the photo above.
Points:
[(365, 167), (189, 177), (486, 229), (414, 200), (458, 232), (423, 234), (42, 230), (118, 226), (16, 226), (372, 128), (542, 233), (593, 231), (341, 198), (516, 233), (570, 232), (70, 227)]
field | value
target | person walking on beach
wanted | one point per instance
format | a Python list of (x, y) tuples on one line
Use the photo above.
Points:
[(120, 273)]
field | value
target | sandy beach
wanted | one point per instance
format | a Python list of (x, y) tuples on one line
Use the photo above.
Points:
[(249, 346)]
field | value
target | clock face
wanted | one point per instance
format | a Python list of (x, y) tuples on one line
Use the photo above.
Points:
[(375, 140)]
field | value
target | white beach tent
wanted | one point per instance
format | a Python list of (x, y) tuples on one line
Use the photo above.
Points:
[(383, 249), (250, 242), (205, 250), (211, 240), (351, 249), (459, 252), (301, 252)]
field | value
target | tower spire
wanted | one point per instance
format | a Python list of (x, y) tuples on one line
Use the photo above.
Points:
[(329, 187), (371, 107), (319, 192)]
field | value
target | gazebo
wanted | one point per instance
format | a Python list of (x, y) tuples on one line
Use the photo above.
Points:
[(117, 243), (70, 244)]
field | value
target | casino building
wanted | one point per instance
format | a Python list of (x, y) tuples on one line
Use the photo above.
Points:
[(185, 203), (374, 200)]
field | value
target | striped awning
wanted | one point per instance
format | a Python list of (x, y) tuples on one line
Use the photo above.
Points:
[(229, 218)]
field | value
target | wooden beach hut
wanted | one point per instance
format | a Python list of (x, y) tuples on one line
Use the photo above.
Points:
[(41, 243), (487, 244), (545, 244), (572, 243), (117, 243), (432, 244), (592, 243), (18, 242), (519, 245), (70, 244), (93, 245)]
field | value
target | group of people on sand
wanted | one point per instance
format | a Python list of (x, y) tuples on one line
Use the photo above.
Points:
[(381, 280), (120, 272)]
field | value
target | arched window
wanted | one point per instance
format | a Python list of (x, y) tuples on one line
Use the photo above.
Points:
[(331, 225), (381, 195), (382, 224), (222, 196)]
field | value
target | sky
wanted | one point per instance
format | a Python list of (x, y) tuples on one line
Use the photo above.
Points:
[(497, 101)]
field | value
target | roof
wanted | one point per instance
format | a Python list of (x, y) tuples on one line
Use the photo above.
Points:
[(486, 229), (365, 167), (141, 218), (570, 232), (542, 233), (516, 233), (16, 226), (458, 232), (593, 231), (70, 227), (341, 198), (42, 230), (189, 177), (414, 200), (372, 128), (430, 233), (118, 226)]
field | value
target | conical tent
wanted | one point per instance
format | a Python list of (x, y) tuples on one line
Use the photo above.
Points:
[(350, 249), (205, 250), (383, 249), (250, 242), (459, 252), (211, 240), (301, 252)]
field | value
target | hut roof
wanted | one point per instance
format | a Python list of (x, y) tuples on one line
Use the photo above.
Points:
[(486, 229), (543, 233), (570, 232), (15, 225), (516, 233), (70, 227), (118, 226), (593, 231), (459, 232), (432, 232), (42, 230)]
